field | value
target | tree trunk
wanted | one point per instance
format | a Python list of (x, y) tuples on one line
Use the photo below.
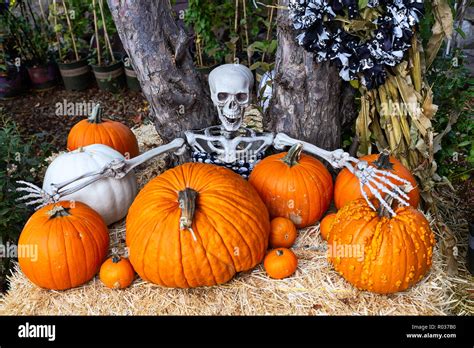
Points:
[(158, 50), (310, 102)]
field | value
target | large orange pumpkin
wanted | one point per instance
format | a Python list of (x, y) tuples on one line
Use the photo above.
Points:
[(347, 187), (378, 253), (95, 130), (196, 225), (293, 185), (63, 245)]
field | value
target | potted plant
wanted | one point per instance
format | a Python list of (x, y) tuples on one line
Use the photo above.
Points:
[(32, 35), (132, 81), (107, 66), (12, 77), (72, 49)]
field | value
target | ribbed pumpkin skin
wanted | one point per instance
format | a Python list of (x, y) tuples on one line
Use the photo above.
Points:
[(379, 254), (70, 248), (231, 225), (301, 193), (111, 133), (347, 186)]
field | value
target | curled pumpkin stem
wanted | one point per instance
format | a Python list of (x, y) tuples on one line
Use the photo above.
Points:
[(293, 156), (96, 115)]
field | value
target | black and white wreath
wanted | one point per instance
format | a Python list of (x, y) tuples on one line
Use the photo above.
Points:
[(319, 23)]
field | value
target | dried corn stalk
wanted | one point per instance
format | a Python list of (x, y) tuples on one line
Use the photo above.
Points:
[(397, 115)]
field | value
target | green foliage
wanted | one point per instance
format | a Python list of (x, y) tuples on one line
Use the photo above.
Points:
[(21, 160), (454, 94), (216, 37), (29, 35)]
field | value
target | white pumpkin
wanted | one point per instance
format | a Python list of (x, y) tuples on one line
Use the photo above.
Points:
[(110, 197)]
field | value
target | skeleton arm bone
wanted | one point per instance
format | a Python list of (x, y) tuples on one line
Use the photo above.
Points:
[(117, 169), (374, 179)]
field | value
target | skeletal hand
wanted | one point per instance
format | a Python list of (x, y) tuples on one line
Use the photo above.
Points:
[(34, 195), (377, 181)]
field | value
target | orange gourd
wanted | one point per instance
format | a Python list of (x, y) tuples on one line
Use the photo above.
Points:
[(283, 233), (63, 245), (379, 253), (116, 272), (347, 187), (95, 130), (293, 185), (196, 225), (326, 225), (280, 263)]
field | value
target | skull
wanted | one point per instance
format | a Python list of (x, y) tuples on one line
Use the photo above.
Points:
[(230, 86)]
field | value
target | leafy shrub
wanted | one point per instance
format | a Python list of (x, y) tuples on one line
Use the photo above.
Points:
[(21, 160)]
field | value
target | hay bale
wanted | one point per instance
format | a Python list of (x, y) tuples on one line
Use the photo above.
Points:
[(315, 288)]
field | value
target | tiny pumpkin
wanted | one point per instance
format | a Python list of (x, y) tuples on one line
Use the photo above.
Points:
[(293, 185), (64, 243), (280, 263), (381, 254), (283, 233), (347, 186), (196, 225), (326, 225), (96, 130), (116, 272)]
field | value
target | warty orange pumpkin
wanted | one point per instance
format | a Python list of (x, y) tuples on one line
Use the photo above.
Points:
[(347, 186), (63, 245), (379, 253), (196, 225), (96, 130), (293, 185)]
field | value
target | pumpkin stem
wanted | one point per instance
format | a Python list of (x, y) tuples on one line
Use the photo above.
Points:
[(383, 161), (115, 258), (58, 211), (279, 252), (187, 203), (96, 115), (383, 212), (294, 154)]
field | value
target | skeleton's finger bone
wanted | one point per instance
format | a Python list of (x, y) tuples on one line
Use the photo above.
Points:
[(28, 184), (391, 175), (364, 194), (384, 189), (31, 195), (379, 198), (393, 186)]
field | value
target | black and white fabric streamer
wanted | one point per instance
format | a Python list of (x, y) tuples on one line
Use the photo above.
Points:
[(320, 32)]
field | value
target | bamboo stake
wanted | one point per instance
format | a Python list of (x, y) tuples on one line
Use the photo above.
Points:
[(99, 60), (55, 26), (106, 35), (236, 26), (73, 39), (246, 33), (269, 29)]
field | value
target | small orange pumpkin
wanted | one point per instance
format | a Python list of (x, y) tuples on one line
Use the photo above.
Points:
[(326, 225), (283, 233), (379, 253), (116, 272), (293, 185), (196, 225), (280, 263), (64, 245), (95, 130), (347, 187)]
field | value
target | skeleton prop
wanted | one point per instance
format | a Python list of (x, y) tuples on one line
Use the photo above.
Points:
[(228, 144)]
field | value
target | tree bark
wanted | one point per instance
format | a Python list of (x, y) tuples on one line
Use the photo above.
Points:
[(158, 50), (310, 102)]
